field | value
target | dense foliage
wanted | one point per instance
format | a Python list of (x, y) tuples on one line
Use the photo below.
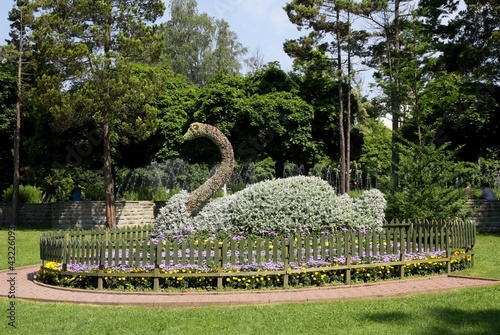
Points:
[(27, 194)]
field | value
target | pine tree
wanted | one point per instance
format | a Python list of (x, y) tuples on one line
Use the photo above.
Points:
[(17, 52), (90, 51)]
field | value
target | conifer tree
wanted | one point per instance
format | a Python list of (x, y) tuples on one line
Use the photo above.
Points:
[(17, 51), (91, 52)]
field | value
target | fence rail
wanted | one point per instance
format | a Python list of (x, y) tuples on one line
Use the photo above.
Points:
[(282, 255)]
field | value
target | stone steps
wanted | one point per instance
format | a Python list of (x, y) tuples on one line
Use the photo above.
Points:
[(486, 215)]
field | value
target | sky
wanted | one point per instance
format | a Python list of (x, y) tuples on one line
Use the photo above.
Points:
[(259, 24)]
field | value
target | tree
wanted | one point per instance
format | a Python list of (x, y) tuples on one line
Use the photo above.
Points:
[(198, 46), (375, 158), (427, 175), (262, 115), (8, 96), (176, 104), (221, 103), (87, 48), (17, 52), (256, 61), (461, 101), (388, 21), (465, 114), (324, 51), (284, 120), (472, 43)]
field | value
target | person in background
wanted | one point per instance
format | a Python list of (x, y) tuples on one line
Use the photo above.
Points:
[(487, 192), (76, 193)]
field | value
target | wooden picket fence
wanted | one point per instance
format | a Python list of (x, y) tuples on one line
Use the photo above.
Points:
[(340, 251)]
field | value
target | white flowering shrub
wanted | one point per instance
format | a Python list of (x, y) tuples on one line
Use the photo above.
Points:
[(295, 204), (215, 216), (284, 205), (173, 218), (369, 211)]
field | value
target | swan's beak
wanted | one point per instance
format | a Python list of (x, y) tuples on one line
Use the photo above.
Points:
[(192, 132), (188, 135)]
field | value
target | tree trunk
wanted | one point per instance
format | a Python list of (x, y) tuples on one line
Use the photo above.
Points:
[(15, 185), (279, 166), (343, 172), (108, 178), (17, 130), (348, 130), (395, 95)]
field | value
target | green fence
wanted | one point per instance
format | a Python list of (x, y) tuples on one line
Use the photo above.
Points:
[(285, 255)]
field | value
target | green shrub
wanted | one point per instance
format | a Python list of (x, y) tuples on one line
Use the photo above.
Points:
[(426, 189), (139, 194), (58, 185), (27, 194), (163, 194), (94, 192), (146, 194)]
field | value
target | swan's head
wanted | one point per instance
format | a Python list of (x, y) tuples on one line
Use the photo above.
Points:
[(194, 131)]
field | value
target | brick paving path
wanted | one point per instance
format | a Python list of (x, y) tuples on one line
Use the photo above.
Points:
[(28, 289)]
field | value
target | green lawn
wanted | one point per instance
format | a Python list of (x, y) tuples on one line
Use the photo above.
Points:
[(459, 312), (487, 257), (27, 246)]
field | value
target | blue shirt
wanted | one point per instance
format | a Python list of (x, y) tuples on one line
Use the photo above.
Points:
[(77, 195), (488, 194)]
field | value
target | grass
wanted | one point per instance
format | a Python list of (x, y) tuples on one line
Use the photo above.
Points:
[(459, 312), (27, 246), (487, 257)]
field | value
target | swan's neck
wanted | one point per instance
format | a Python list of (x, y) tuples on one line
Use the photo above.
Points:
[(223, 173)]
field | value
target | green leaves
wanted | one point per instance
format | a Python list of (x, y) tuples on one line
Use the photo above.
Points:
[(428, 184), (198, 46)]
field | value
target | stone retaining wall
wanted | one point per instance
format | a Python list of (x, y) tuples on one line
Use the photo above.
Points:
[(92, 214), (486, 214), (83, 214)]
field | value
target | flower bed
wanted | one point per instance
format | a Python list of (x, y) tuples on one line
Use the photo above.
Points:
[(252, 263), (184, 277)]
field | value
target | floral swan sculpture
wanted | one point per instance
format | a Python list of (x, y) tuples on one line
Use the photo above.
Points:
[(281, 206)]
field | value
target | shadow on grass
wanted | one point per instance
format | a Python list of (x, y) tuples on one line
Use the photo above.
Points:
[(448, 321)]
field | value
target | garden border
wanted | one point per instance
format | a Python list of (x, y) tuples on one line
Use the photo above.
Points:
[(111, 246)]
